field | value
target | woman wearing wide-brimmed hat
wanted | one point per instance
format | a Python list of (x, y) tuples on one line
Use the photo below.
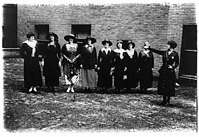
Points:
[(70, 67), (119, 66), (167, 77), (146, 64), (131, 63), (105, 64), (32, 71), (52, 62), (89, 64)]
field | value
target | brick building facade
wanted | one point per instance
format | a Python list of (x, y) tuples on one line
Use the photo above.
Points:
[(156, 23)]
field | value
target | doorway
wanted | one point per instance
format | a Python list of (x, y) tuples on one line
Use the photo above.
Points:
[(188, 63)]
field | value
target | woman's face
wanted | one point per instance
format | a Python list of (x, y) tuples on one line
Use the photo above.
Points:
[(130, 46), (31, 38), (70, 40), (106, 45), (52, 38), (119, 45), (89, 41), (169, 47)]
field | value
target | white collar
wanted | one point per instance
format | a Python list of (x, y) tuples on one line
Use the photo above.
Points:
[(32, 44), (130, 52), (106, 49), (119, 50)]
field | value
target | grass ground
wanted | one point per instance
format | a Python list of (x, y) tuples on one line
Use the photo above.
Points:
[(94, 111)]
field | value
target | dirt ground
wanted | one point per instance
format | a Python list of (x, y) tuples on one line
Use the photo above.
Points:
[(94, 111)]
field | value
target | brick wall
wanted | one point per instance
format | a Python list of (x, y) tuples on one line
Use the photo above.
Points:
[(156, 23)]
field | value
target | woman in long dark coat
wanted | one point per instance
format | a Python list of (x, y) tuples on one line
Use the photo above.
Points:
[(32, 71), (119, 66), (131, 63), (146, 64), (105, 64), (167, 77), (89, 64), (52, 62)]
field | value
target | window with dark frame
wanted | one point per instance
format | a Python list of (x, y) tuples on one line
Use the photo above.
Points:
[(81, 31), (41, 31)]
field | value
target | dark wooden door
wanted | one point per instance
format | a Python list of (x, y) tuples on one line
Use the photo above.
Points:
[(9, 26), (188, 63)]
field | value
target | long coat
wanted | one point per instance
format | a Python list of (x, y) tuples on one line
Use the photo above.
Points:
[(105, 63), (88, 58), (132, 67), (32, 71), (51, 69), (167, 77), (146, 63), (119, 70)]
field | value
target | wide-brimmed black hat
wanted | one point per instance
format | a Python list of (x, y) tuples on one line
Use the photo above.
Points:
[(70, 36), (107, 40), (93, 40), (131, 42), (52, 34)]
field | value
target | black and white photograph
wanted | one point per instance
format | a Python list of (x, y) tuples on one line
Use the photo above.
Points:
[(99, 67)]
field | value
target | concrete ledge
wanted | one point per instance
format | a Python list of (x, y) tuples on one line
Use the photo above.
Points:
[(11, 53)]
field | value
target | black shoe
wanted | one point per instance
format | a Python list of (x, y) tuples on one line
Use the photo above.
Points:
[(163, 103)]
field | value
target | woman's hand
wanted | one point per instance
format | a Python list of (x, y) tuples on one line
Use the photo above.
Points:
[(41, 63), (60, 63), (81, 66)]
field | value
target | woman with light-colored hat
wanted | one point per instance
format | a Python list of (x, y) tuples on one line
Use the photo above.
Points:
[(131, 63), (52, 62), (105, 64), (89, 64), (70, 57), (119, 53), (146, 64)]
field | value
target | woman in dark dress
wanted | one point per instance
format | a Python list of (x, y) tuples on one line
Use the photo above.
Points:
[(167, 77), (119, 66), (89, 64), (32, 71), (105, 64), (52, 62), (131, 63), (70, 55), (146, 64)]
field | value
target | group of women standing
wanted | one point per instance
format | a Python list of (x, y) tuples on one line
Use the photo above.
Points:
[(82, 66)]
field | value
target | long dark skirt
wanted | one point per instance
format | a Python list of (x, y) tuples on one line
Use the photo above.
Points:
[(104, 78), (132, 80), (166, 82), (32, 73), (146, 78), (89, 78), (118, 78)]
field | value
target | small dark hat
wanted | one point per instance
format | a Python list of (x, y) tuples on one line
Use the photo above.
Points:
[(172, 44), (131, 42), (93, 40), (107, 40), (70, 36), (29, 35), (52, 34)]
